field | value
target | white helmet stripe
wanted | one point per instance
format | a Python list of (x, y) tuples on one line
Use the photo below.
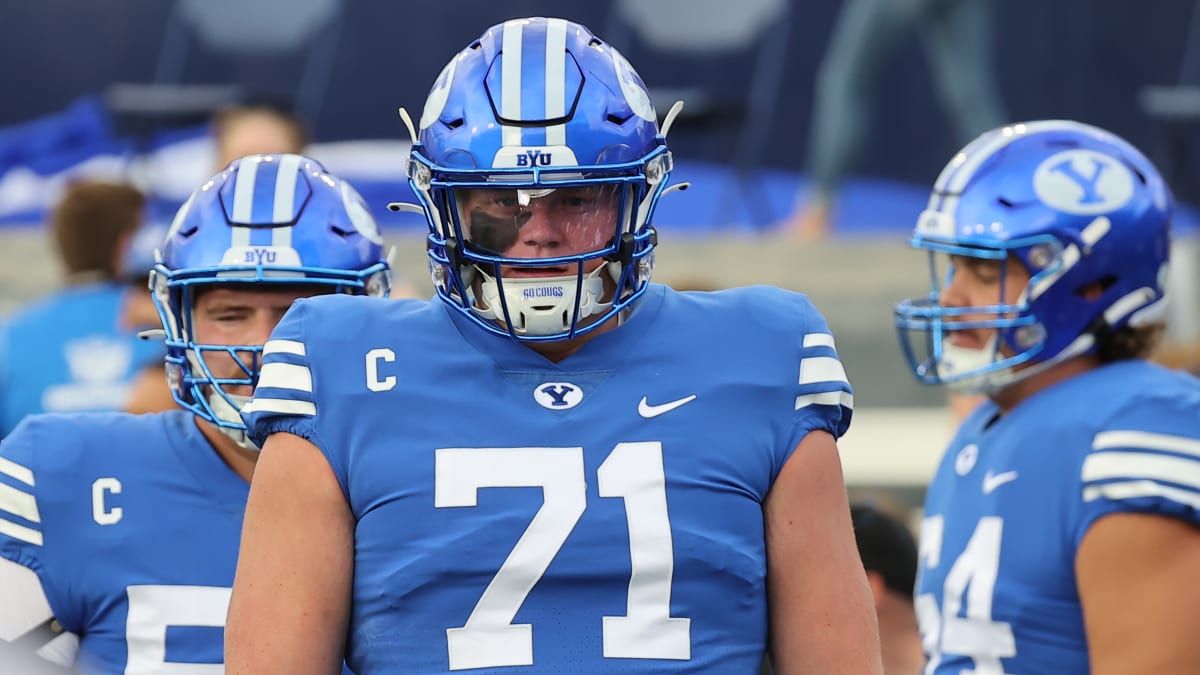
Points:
[(1091, 234), (243, 201), (556, 71), (285, 199), (510, 80), (243, 190)]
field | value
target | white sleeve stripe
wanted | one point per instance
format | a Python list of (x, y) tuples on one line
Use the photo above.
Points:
[(821, 369), (279, 405), (819, 340), (19, 503), (21, 532), (11, 468), (1112, 464), (283, 347), (1148, 440), (285, 376), (1140, 488), (842, 398)]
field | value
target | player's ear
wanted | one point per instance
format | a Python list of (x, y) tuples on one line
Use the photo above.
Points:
[(879, 588)]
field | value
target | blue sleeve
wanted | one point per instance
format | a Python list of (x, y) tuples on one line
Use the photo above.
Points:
[(1144, 460), (824, 400), (23, 505), (285, 399)]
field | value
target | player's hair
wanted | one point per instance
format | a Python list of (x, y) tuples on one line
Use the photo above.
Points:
[(1129, 342), (886, 547), (91, 223)]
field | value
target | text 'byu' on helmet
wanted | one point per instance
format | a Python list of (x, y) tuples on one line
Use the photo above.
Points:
[(538, 148), (264, 221)]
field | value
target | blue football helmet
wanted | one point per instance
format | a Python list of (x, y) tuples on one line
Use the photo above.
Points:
[(539, 154), (265, 219), (1085, 214)]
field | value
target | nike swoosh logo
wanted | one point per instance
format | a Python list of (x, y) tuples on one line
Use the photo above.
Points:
[(992, 480), (646, 410)]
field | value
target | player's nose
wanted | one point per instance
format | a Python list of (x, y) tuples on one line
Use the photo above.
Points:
[(540, 235)]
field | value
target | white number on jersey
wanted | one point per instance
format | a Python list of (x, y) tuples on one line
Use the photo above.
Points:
[(153, 608), (972, 578), (633, 472)]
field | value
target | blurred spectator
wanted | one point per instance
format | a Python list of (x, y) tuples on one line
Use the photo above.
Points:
[(149, 392), (67, 352), (137, 309), (956, 37), (256, 128)]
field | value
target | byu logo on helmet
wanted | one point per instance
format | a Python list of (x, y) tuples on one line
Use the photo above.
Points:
[(635, 94), (534, 158), (558, 395), (1083, 182)]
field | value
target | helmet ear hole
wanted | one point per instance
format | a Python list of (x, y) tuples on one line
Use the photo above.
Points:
[(1092, 291)]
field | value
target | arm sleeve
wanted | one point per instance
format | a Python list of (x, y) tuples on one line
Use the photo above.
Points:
[(25, 622), (285, 398), (21, 539), (1146, 460), (824, 399)]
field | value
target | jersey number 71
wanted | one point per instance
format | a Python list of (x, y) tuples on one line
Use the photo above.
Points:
[(632, 472)]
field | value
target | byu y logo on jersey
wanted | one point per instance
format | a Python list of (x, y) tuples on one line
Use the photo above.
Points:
[(558, 395), (1083, 182)]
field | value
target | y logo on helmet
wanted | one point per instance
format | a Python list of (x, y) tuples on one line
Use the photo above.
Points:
[(438, 95), (633, 90), (558, 395), (360, 216), (1083, 182)]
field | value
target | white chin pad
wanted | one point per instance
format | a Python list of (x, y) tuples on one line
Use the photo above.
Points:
[(229, 414), (542, 305), (967, 371)]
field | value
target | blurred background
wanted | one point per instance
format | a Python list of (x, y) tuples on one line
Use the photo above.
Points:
[(125, 91)]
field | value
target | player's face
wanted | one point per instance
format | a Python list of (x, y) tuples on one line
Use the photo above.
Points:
[(541, 223), (976, 282), (239, 316)]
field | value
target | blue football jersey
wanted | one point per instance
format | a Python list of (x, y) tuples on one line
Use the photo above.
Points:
[(599, 515), (1014, 496), (66, 353), (132, 524)]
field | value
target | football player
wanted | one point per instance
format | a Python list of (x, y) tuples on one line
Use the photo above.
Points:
[(560, 467), (1060, 532), (119, 532)]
